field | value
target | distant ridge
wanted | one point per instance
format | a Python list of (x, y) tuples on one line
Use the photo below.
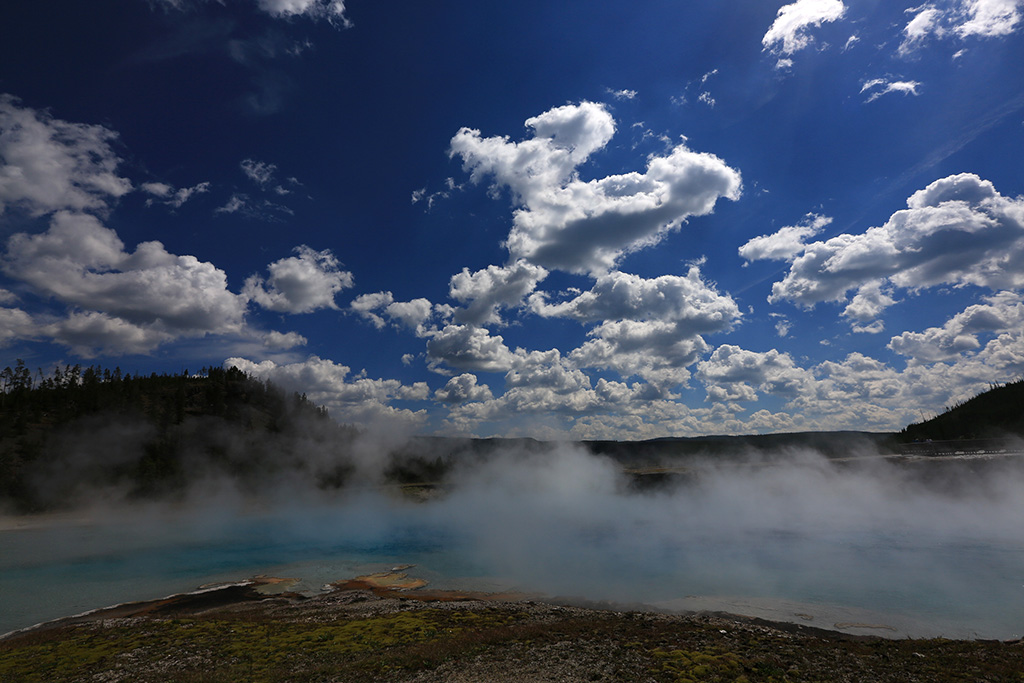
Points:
[(829, 444), (91, 431)]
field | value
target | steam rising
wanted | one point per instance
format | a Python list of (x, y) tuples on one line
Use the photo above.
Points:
[(563, 522), (940, 541)]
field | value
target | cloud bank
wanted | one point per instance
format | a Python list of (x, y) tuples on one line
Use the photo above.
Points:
[(957, 231), (111, 299)]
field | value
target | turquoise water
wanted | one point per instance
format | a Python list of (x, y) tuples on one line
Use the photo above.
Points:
[(804, 538), (64, 569), (940, 585)]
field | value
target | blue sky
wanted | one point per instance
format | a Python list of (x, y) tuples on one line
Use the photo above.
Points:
[(559, 220)]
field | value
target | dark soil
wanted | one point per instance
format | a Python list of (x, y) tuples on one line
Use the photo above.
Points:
[(359, 634)]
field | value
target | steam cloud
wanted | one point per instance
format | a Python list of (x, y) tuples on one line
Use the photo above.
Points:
[(939, 539)]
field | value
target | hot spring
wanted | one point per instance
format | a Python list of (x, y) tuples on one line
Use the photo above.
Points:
[(865, 547)]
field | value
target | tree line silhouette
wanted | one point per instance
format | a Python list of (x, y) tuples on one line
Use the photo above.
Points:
[(997, 412), (84, 429)]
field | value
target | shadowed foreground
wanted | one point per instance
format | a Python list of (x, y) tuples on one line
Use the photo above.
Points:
[(363, 632)]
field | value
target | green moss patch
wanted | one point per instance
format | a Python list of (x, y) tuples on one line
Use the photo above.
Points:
[(687, 666), (299, 645), (265, 650)]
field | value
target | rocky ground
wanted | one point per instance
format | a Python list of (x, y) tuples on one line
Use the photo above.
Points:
[(367, 632)]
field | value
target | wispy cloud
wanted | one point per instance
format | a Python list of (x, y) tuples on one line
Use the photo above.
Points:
[(622, 94), (167, 194), (255, 209), (883, 86), (960, 20), (330, 10)]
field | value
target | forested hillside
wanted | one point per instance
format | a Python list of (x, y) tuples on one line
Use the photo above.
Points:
[(994, 413), (99, 432), (90, 434)]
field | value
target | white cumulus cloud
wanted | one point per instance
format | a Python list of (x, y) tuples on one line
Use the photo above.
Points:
[(413, 314), (351, 399), (299, 284), (283, 340), (15, 324), (462, 389), (466, 347), (958, 231), (487, 291), (81, 262), (789, 32), (563, 222), (785, 243), (111, 299), (649, 328), (988, 18), (962, 19), (687, 301), (871, 299), (366, 305), (87, 333), (1002, 312), (651, 349), (732, 373), (48, 165)]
